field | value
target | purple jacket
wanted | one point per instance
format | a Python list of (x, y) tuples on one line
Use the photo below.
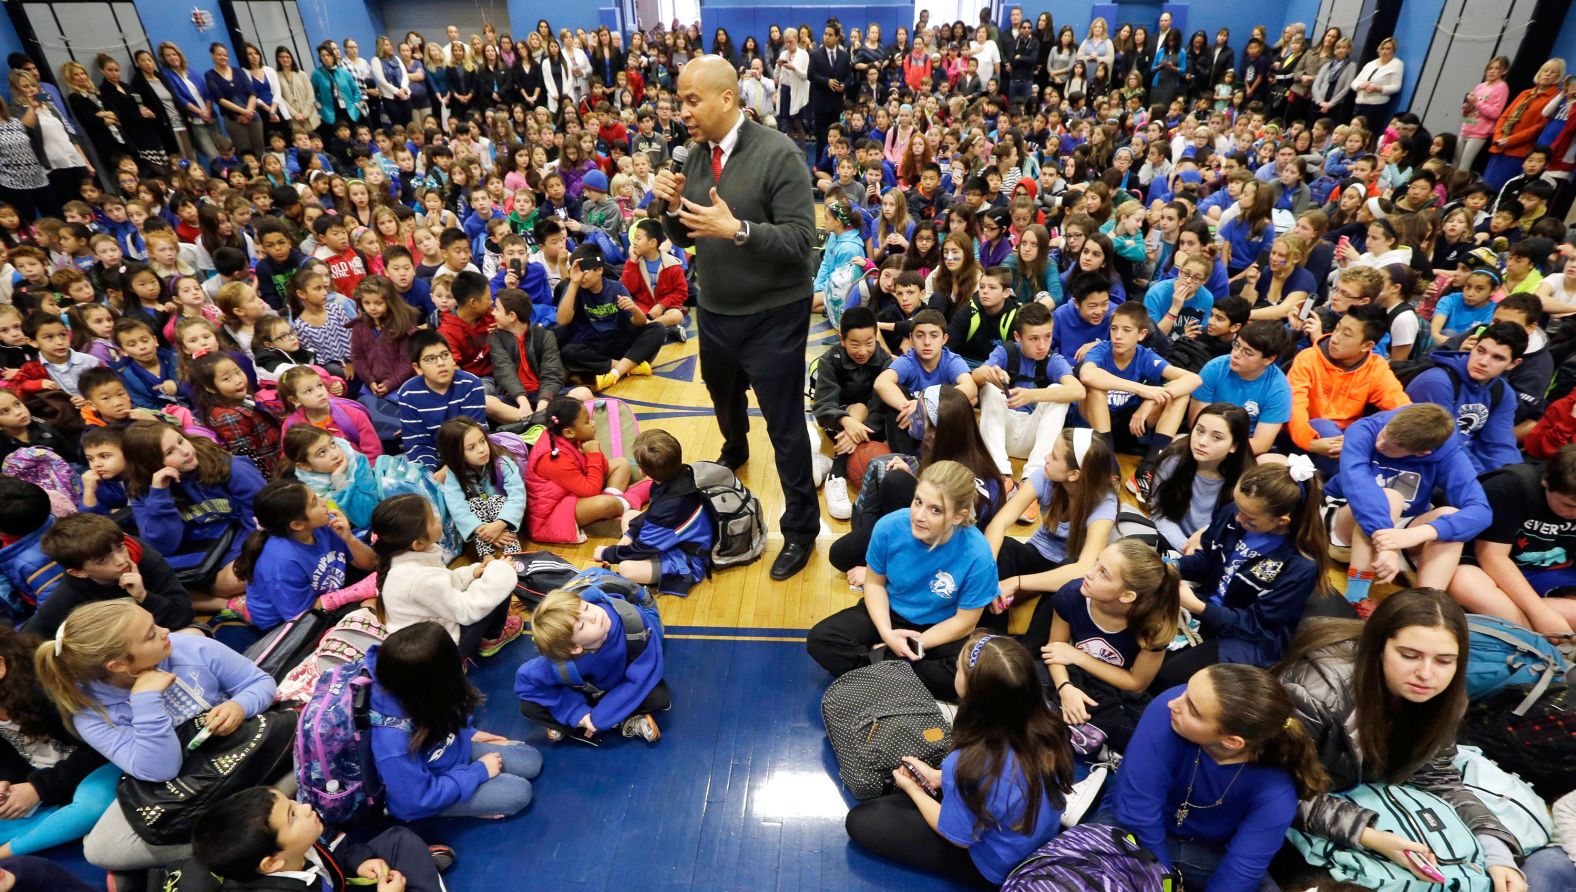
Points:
[(379, 356)]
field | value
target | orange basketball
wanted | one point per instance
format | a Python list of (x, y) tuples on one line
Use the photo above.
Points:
[(859, 460)]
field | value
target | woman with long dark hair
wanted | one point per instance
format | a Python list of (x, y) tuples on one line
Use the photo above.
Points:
[(1383, 701), (139, 123), (1001, 789)]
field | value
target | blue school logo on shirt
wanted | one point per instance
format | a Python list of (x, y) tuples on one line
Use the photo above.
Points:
[(943, 586)]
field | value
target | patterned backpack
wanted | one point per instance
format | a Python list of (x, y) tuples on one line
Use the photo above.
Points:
[(333, 748), (49, 472), (1092, 858), (876, 715)]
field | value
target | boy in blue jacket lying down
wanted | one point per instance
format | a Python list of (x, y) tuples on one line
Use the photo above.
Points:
[(601, 661)]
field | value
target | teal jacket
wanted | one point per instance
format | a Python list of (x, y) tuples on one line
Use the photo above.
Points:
[(323, 83)]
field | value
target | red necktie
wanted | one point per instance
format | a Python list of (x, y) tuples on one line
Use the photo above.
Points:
[(716, 164)]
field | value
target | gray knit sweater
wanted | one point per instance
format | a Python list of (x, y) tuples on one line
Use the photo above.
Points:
[(767, 183)]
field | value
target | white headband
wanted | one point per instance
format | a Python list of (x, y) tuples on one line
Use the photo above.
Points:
[(1375, 208), (1082, 438)]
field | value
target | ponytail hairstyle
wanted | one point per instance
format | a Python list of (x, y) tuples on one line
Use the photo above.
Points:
[(1153, 614), (297, 284), (397, 522), (1283, 495), (290, 384), (144, 450), (277, 506), (1002, 712), (1255, 707), (299, 441), (1174, 495), (77, 316), (91, 636), (1073, 502), (955, 483), (562, 413), (420, 666), (451, 451)]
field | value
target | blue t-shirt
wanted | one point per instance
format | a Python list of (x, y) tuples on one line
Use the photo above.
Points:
[(1120, 648), (1459, 317), (290, 575), (912, 377), (1195, 309), (1070, 332), (1266, 398), (998, 849), (1053, 545), (1146, 368), (597, 315), (1245, 249), (1054, 365), (927, 585)]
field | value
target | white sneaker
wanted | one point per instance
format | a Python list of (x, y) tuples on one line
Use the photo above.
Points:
[(837, 503), (820, 466), (1084, 794)]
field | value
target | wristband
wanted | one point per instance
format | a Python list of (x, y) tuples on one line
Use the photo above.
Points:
[(1064, 684)]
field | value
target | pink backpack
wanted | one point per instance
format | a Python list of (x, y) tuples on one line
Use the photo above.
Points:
[(49, 472)]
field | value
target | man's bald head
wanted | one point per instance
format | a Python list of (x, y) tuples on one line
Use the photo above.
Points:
[(711, 74), (709, 96)]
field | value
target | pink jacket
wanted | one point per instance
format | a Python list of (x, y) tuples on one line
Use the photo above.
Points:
[(1491, 99), (353, 421)]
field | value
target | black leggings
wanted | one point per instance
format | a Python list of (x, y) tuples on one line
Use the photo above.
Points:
[(892, 827), (897, 492), (489, 626), (842, 643), (1019, 558)]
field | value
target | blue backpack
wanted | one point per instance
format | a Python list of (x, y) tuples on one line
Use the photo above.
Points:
[(1503, 654), (636, 609), (1416, 815)]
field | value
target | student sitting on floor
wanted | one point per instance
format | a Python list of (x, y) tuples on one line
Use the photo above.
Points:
[(527, 369), (260, 839), (125, 684), (929, 581), (431, 757), (1135, 398), (1335, 381), (1198, 474), (101, 562), (438, 392), (1025, 389), (1259, 565), (927, 363), (668, 546), (1213, 777), (57, 788), (655, 278), (1518, 569), (296, 559), (481, 487), (1392, 464), (601, 331), (600, 666), (1083, 321), (569, 481), (1472, 387), (983, 324), (844, 400), (1250, 378), (414, 584), (1001, 791)]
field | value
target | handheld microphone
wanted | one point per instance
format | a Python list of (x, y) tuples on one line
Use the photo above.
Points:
[(676, 165)]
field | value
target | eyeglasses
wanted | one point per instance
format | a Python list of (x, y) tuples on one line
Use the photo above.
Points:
[(1190, 277), (437, 358)]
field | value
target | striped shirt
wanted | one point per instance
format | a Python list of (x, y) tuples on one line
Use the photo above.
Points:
[(422, 411)]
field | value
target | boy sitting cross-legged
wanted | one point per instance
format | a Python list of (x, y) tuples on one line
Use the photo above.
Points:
[(927, 362), (600, 665)]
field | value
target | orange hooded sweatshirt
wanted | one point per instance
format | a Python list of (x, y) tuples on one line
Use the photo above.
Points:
[(1321, 389)]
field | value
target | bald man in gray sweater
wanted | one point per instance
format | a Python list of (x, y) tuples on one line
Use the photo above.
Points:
[(743, 201)]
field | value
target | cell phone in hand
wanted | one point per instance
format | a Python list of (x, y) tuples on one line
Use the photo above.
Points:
[(1423, 865), (919, 778)]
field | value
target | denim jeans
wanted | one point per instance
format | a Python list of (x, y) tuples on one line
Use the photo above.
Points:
[(507, 793), (1550, 870)]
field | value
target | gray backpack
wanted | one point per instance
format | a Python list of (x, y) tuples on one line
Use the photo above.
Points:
[(740, 525), (876, 715), (1092, 858)]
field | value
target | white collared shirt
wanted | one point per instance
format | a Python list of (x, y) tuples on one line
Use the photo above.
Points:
[(730, 141), (312, 875)]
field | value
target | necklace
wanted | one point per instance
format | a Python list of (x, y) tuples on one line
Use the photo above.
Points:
[(1188, 805)]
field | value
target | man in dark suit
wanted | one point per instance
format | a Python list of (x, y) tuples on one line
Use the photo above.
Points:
[(1022, 62), (830, 70), (1222, 58), (743, 201)]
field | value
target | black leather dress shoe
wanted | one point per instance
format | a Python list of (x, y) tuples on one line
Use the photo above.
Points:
[(791, 560), (732, 464)]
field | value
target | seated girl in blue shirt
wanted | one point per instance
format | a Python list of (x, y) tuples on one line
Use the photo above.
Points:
[(988, 821), (296, 561), (1211, 780), (930, 577)]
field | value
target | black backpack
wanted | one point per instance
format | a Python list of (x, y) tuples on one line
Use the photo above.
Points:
[(1042, 378)]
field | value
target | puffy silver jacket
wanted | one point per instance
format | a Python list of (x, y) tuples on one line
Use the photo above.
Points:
[(1320, 686)]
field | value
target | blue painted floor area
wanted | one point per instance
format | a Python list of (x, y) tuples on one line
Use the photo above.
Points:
[(740, 793)]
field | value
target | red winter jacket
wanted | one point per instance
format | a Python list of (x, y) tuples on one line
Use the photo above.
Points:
[(672, 291)]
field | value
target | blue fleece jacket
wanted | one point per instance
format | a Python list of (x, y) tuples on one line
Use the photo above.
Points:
[(27, 575), (137, 731), (1366, 474), (533, 281), (140, 382), (1254, 588), (1487, 431), (424, 782), (182, 534), (625, 685)]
